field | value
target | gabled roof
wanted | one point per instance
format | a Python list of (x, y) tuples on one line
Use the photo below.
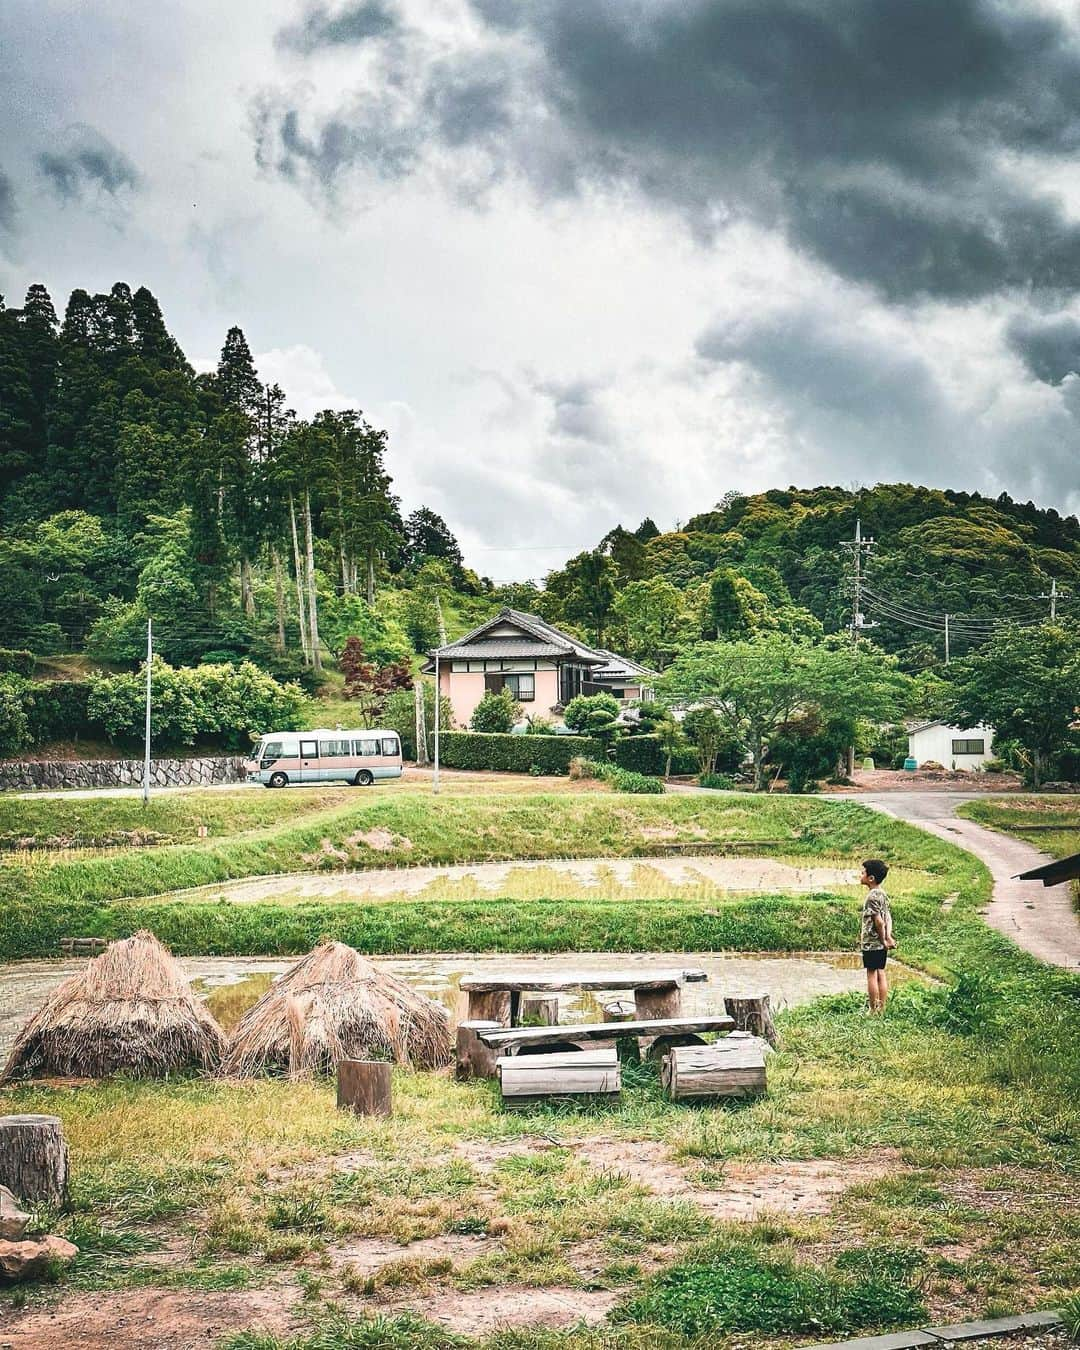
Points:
[(617, 667), (538, 639)]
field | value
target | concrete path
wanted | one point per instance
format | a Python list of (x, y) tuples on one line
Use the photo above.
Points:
[(1041, 919)]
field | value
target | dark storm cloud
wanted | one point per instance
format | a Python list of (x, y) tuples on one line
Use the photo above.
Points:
[(7, 203), (874, 133), (88, 161), (1050, 348), (347, 27)]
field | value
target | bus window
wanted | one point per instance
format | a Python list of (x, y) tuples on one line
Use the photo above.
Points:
[(368, 747), (390, 745), (270, 751), (333, 749), (309, 750)]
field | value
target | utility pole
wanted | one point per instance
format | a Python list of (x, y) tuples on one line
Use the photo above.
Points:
[(859, 548), (1053, 599), (438, 719), (421, 724), (146, 747), (946, 639)]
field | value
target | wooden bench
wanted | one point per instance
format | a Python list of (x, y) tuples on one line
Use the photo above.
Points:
[(497, 998), (731, 1068), (664, 1032), (531, 1078)]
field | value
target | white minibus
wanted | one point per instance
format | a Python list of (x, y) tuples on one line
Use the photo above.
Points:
[(320, 756)]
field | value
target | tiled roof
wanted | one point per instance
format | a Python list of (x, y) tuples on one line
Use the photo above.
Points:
[(551, 640), (493, 648)]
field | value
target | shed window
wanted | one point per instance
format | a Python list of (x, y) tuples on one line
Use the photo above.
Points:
[(968, 747)]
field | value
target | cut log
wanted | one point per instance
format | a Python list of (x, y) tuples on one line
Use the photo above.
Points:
[(512, 1038), (34, 1159), (727, 1069), (474, 1058), (540, 1011), (621, 1010), (582, 1073), (753, 1015), (489, 1005), (653, 1003), (364, 1086)]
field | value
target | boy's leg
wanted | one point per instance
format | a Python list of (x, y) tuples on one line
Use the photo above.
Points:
[(882, 989), (871, 989)]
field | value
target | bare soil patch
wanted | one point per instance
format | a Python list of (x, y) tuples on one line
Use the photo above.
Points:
[(151, 1319), (380, 839), (485, 1310)]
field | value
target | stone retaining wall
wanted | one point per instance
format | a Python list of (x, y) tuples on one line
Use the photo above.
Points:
[(26, 775)]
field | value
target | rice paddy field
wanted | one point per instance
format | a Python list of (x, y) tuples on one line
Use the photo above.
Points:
[(919, 1166)]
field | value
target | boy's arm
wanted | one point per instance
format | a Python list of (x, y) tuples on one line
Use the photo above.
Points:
[(884, 931)]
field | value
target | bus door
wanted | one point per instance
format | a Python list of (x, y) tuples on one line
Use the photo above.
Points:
[(309, 761)]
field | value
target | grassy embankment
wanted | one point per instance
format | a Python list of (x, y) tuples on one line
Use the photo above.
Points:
[(975, 1117), (45, 898), (1051, 824)]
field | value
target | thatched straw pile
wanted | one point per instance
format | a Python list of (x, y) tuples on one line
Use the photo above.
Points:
[(336, 1005), (131, 1010)]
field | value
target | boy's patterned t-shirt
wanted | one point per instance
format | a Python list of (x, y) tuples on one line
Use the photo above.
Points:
[(876, 906)]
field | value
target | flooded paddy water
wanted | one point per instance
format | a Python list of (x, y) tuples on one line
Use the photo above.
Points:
[(233, 983)]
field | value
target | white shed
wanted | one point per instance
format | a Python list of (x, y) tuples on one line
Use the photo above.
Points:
[(954, 747)]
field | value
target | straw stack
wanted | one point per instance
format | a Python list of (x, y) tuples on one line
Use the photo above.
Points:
[(336, 1005), (130, 1011)]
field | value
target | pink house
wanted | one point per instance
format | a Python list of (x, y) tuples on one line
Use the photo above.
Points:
[(543, 667)]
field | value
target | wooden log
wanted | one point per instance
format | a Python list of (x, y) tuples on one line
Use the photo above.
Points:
[(474, 1058), (540, 1010), (530, 1078), (363, 1086), (489, 1005), (515, 1037), (754, 1015), (727, 1069), (654, 1003), (34, 1159), (621, 1010)]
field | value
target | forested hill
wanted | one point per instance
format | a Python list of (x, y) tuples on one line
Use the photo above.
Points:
[(131, 487)]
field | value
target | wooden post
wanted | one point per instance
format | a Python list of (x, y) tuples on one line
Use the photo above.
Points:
[(753, 1015), (364, 1086), (489, 1005), (34, 1159), (540, 1010), (653, 1003), (474, 1058)]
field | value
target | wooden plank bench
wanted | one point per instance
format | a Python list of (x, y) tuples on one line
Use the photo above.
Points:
[(497, 998), (531, 1078), (512, 1040)]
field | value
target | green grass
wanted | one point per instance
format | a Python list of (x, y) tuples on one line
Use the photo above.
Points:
[(1056, 821), (104, 896)]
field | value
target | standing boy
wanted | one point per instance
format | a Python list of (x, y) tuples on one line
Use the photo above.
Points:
[(877, 934)]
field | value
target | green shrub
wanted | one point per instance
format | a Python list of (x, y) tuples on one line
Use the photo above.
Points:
[(57, 710), (729, 1287), (495, 712), (14, 662), (625, 780), (594, 715), (514, 754), (641, 754), (14, 724), (716, 780)]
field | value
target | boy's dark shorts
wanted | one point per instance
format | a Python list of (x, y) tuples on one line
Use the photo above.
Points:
[(875, 959)]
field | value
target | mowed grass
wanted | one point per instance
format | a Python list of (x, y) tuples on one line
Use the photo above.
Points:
[(1049, 823), (115, 895)]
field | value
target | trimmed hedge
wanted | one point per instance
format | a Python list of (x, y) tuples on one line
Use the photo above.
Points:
[(641, 754), (506, 753), (14, 662), (56, 710)]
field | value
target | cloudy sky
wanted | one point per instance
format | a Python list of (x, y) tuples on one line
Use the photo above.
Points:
[(586, 260)]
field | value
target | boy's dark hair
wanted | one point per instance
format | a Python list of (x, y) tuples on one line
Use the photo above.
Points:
[(877, 869)]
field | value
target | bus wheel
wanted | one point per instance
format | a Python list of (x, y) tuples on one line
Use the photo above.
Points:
[(278, 780), (364, 778)]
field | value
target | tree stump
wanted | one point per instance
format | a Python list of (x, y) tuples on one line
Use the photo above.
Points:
[(753, 1015), (656, 1003), (620, 1010), (725, 1069), (474, 1058), (364, 1086), (34, 1159), (540, 1010), (490, 1005)]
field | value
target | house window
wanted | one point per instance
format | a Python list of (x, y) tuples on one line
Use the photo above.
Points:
[(968, 747), (522, 687), (618, 693), (570, 681)]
